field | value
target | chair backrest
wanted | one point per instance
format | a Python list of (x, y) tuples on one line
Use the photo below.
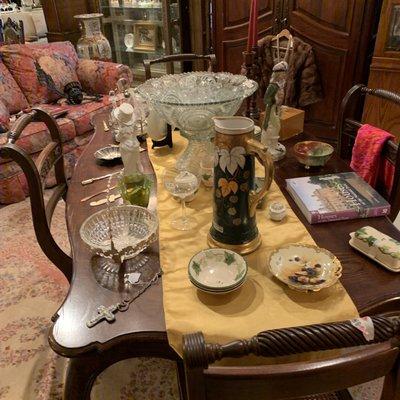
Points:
[(348, 127), (13, 32), (212, 61), (36, 173), (296, 379)]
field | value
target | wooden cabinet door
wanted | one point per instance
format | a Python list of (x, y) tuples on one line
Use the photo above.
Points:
[(230, 24), (339, 32), (385, 71)]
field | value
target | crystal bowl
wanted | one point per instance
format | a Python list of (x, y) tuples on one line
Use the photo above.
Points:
[(132, 229), (190, 100)]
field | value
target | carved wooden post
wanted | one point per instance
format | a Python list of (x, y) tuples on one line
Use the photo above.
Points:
[(250, 69)]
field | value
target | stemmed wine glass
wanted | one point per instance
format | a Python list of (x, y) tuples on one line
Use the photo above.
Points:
[(181, 184)]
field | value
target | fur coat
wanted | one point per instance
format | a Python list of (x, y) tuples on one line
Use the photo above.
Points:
[(303, 86)]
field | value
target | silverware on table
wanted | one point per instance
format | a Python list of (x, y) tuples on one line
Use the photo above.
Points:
[(90, 180), (106, 128), (111, 199), (96, 194)]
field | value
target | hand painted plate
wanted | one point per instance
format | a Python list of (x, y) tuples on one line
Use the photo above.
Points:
[(304, 267)]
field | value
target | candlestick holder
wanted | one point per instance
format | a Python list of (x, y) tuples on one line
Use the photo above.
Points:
[(250, 68)]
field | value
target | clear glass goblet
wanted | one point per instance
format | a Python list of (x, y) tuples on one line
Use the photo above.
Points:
[(181, 184)]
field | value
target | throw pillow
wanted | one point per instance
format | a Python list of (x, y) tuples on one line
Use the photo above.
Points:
[(10, 93), (4, 118), (41, 71)]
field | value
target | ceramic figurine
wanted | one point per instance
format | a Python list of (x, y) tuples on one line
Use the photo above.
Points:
[(272, 124), (279, 74), (234, 222)]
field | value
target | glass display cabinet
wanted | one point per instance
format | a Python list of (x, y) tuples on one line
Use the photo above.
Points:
[(143, 29)]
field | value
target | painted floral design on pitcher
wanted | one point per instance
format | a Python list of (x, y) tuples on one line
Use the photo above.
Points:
[(234, 221)]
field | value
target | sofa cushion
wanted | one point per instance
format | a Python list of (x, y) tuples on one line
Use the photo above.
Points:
[(4, 118), (82, 114), (13, 183), (10, 168), (10, 93), (36, 136), (41, 70)]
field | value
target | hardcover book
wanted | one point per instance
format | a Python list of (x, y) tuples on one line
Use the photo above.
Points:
[(335, 197)]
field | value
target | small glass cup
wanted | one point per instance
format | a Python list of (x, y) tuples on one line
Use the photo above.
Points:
[(181, 184), (207, 171)]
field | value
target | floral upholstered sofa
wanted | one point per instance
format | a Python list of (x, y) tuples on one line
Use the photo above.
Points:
[(36, 74)]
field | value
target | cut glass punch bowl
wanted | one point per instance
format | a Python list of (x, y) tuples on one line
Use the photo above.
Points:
[(190, 100)]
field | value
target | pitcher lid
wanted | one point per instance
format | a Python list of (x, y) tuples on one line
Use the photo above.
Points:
[(233, 125)]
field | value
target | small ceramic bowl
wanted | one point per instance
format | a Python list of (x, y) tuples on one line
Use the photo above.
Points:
[(210, 291), (312, 153), (304, 267), (108, 154), (217, 270)]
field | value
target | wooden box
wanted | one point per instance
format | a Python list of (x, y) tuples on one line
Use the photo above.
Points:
[(292, 122)]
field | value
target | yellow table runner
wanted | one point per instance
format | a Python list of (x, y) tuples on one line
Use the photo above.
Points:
[(263, 302)]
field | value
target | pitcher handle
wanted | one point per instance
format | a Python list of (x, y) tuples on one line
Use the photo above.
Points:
[(261, 152)]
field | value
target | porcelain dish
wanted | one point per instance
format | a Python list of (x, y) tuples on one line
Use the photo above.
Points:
[(376, 245), (312, 153), (217, 270), (305, 267)]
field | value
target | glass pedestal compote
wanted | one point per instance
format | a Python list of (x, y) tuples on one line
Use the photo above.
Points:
[(119, 235), (190, 100)]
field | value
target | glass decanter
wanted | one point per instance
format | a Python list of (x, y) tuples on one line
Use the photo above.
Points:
[(133, 184)]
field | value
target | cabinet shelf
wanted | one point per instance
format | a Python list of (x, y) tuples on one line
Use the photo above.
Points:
[(122, 20), (133, 7)]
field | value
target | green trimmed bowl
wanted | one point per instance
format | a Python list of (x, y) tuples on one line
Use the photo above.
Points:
[(312, 153), (217, 270)]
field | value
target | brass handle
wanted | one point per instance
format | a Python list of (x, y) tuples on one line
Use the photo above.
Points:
[(261, 152)]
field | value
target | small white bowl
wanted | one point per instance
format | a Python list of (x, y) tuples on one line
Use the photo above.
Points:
[(218, 270)]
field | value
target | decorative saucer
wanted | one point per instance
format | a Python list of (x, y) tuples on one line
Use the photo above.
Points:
[(305, 267), (217, 270), (108, 154)]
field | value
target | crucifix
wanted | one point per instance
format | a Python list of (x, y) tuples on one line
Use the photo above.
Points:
[(103, 313)]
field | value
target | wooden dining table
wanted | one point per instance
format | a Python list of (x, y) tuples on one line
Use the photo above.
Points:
[(141, 330)]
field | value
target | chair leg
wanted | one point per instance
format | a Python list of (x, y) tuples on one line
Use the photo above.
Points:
[(81, 374), (181, 380)]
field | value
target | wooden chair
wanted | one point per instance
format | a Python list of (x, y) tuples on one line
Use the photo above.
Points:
[(348, 126), (210, 58), (317, 380), (212, 63), (12, 32), (36, 172)]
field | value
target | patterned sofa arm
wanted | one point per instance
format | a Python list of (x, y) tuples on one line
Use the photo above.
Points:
[(99, 77)]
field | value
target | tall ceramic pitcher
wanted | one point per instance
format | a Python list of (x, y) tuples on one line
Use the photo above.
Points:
[(234, 222)]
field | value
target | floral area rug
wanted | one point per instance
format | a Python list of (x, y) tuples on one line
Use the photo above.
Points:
[(31, 290)]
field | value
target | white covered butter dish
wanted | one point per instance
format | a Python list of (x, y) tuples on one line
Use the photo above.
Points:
[(378, 246)]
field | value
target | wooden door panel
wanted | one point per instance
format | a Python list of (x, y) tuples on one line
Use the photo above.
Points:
[(327, 12), (321, 117), (337, 33), (231, 22)]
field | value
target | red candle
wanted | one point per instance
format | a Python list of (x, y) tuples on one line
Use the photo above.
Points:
[(253, 28)]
